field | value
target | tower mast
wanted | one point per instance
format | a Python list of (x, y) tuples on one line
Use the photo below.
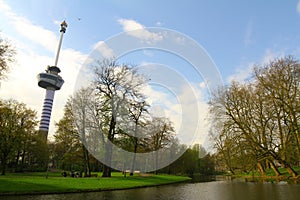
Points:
[(51, 81)]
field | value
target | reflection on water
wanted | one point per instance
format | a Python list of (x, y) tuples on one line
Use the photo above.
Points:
[(215, 190)]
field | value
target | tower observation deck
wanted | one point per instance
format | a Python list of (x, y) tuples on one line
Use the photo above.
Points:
[(51, 81)]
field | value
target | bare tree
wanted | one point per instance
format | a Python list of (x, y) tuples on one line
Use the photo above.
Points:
[(82, 107), (161, 134), (115, 87), (279, 84), (263, 115), (136, 111), (6, 56)]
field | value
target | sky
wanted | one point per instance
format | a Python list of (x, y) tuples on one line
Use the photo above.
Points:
[(234, 35)]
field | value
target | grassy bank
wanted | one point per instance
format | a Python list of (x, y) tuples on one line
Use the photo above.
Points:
[(270, 172), (270, 175), (36, 183)]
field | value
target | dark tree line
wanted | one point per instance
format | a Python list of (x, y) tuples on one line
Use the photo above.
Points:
[(194, 161)]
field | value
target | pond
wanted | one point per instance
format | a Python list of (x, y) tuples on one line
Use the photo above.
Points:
[(214, 190)]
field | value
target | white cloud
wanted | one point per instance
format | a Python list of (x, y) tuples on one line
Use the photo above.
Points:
[(159, 23), (180, 40), (22, 82), (245, 71), (194, 125), (242, 73), (148, 53), (202, 85), (4, 7), (185, 107), (104, 49), (271, 55), (298, 7), (184, 102), (56, 22), (137, 30), (130, 25), (35, 33)]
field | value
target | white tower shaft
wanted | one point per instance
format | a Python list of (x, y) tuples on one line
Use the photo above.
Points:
[(47, 109), (50, 81)]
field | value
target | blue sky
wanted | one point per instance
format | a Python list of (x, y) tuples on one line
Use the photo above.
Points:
[(235, 34)]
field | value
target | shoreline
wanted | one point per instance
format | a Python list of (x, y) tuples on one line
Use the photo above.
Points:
[(268, 178), (86, 190), (183, 179)]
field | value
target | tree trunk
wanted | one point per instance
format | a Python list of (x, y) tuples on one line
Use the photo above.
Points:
[(3, 169), (274, 168), (106, 171), (108, 148), (298, 146), (291, 171), (261, 168), (3, 163), (86, 162), (156, 162), (134, 157), (288, 168), (17, 158), (22, 161), (106, 165)]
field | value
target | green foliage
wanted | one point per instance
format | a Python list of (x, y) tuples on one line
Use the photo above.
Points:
[(193, 161), (17, 135), (67, 147)]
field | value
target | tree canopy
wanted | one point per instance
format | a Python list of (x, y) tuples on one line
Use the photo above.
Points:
[(258, 122)]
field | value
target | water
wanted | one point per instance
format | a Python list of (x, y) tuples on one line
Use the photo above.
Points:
[(215, 190)]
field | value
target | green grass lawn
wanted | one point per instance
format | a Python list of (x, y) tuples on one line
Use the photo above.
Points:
[(28, 183)]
